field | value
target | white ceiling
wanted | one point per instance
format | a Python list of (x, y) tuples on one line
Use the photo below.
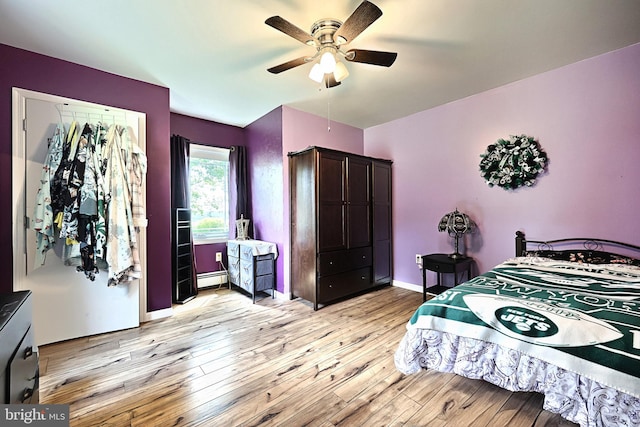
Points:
[(213, 54)]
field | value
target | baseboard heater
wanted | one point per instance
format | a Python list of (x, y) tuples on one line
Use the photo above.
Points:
[(211, 279)]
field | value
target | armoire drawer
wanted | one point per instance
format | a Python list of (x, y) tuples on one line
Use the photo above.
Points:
[(341, 261), (339, 285), (360, 257)]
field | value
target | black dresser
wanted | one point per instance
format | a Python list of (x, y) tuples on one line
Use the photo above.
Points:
[(19, 377)]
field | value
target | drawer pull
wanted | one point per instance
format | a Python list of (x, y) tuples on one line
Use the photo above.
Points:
[(28, 352), (27, 393), (330, 262), (362, 277)]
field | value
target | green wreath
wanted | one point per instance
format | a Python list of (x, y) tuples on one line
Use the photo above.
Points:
[(513, 163)]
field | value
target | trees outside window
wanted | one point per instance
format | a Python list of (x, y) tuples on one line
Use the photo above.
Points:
[(209, 186)]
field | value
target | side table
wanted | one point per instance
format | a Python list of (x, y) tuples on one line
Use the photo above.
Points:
[(443, 263)]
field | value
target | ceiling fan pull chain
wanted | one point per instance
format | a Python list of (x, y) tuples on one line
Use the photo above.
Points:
[(328, 111)]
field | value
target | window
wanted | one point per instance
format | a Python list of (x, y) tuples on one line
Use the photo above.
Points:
[(209, 186)]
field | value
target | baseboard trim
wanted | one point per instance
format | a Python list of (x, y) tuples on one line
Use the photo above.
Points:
[(409, 286), (157, 314)]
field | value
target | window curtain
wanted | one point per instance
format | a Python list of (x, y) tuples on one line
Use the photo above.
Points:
[(180, 198), (240, 202)]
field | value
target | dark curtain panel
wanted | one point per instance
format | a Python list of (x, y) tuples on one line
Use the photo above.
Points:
[(239, 200), (180, 199)]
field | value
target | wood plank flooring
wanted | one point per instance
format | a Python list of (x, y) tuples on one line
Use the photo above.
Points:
[(222, 361)]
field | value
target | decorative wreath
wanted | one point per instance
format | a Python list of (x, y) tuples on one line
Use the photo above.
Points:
[(513, 163)]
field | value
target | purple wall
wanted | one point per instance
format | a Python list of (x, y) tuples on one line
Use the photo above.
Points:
[(585, 116), (268, 199), (27, 70), (213, 134)]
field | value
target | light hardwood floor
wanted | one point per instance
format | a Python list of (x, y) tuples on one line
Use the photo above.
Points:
[(222, 361)]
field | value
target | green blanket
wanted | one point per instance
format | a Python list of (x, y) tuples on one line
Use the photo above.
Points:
[(584, 318)]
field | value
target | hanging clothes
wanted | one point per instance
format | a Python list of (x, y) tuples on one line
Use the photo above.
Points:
[(60, 179), (122, 247), (136, 164), (43, 211), (91, 195), (100, 169), (73, 176)]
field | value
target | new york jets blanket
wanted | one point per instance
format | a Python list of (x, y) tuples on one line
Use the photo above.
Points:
[(583, 318)]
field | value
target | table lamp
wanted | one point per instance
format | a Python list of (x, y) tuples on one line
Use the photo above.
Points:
[(456, 224)]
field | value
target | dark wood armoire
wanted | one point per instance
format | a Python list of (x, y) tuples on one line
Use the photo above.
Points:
[(340, 224)]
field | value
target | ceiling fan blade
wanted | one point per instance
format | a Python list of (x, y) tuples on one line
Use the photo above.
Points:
[(359, 20), (373, 57), (330, 81), (289, 29), (288, 65)]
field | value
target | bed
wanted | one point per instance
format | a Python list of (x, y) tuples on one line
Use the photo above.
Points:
[(561, 318)]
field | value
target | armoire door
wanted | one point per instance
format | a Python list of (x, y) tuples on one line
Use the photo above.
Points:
[(358, 202), (67, 304), (332, 203), (382, 233)]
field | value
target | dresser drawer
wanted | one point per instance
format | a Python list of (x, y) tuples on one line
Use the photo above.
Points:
[(246, 253), (18, 352), (234, 270), (434, 265), (264, 265), (264, 283), (341, 261), (22, 372), (343, 284), (246, 277), (233, 249)]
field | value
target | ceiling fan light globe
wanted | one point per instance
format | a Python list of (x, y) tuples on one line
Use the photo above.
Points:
[(328, 62), (316, 74), (341, 72)]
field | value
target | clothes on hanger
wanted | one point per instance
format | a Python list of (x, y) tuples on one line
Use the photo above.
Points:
[(91, 198), (122, 246), (43, 211)]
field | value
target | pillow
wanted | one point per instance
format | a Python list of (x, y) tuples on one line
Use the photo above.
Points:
[(585, 256)]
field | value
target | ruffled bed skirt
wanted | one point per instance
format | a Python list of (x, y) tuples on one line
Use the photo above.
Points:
[(575, 398)]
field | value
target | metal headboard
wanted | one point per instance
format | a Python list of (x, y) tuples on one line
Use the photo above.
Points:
[(588, 243)]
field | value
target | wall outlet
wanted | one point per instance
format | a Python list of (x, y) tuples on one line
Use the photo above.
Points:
[(218, 256), (418, 259)]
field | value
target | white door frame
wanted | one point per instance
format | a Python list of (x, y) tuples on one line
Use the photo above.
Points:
[(19, 97)]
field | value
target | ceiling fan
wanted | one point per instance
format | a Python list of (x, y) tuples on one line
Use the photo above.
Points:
[(328, 36)]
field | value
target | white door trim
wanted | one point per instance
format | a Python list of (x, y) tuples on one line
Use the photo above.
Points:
[(19, 97)]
